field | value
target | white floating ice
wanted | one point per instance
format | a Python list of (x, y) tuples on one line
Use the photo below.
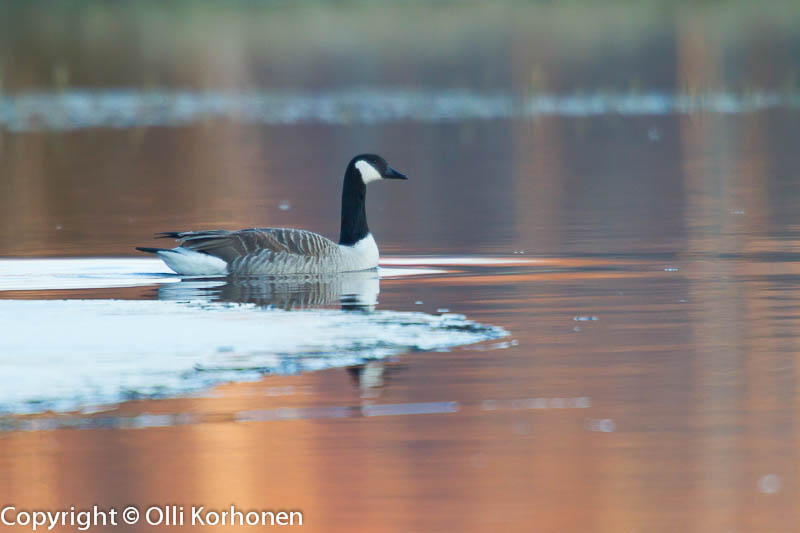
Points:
[(131, 107), (109, 272), (82, 273), (65, 354), (68, 354)]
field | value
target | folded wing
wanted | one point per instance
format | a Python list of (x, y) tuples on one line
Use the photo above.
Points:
[(259, 250)]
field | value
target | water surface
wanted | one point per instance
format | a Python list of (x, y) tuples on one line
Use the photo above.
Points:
[(634, 170)]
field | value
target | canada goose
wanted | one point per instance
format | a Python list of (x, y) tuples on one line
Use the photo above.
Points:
[(270, 251)]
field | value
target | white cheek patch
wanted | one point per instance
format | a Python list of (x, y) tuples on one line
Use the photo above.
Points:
[(368, 172)]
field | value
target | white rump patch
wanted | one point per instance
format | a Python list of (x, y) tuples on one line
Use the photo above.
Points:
[(368, 172), (191, 263)]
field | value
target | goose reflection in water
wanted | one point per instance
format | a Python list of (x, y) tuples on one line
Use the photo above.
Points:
[(370, 378), (350, 290)]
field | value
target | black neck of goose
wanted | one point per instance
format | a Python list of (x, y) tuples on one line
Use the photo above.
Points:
[(354, 210)]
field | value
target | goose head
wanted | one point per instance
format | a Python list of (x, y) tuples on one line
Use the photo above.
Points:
[(371, 167)]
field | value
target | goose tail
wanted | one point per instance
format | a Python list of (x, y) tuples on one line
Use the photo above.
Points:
[(151, 250), (189, 262)]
